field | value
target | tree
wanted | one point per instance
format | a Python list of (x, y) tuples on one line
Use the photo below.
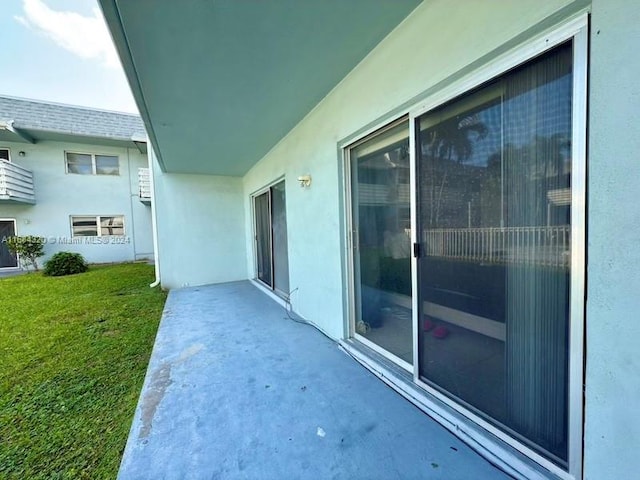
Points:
[(450, 142), (28, 249)]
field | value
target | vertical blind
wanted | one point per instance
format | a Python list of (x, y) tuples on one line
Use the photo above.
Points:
[(494, 180)]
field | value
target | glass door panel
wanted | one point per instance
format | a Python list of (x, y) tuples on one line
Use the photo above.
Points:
[(381, 218), (494, 196), (264, 259), (272, 255), (280, 246), (7, 259)]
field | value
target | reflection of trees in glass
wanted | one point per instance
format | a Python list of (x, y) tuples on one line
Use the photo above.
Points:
[(511, 190), (449, 142)]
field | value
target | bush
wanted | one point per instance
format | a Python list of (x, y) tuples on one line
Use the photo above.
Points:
[(27, 248), (65, 263)]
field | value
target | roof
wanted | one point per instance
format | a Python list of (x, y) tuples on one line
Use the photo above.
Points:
[(34, 119)]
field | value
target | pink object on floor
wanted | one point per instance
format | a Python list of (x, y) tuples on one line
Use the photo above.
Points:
[(428, 325), (440, 332)]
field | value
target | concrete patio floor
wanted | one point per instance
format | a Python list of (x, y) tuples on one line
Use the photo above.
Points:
[(236, 389)]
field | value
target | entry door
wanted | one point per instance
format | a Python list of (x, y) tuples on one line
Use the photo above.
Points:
[(7, 229), (272, 257)]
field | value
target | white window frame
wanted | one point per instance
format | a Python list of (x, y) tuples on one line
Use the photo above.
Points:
[(98, 225), (93, 163), (575, 29)]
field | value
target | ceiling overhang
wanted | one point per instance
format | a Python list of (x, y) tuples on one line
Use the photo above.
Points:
[(219, 83), (9, 133)]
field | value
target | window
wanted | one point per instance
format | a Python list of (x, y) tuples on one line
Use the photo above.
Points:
[(97, 225), (90, 164), (107, 165), (5, 155)]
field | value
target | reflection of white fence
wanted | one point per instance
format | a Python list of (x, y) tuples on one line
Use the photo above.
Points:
[(523, 245)]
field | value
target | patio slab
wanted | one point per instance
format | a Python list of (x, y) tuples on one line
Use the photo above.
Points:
[(11, 272), (236, 389)]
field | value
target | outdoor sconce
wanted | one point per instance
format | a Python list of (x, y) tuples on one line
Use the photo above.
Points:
[(305, 181), (21, 153)]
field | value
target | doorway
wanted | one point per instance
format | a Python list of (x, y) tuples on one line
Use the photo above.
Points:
[(381, 218), (272, 257), (7, 229)]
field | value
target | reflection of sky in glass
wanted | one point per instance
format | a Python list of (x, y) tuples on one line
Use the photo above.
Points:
[(553, 102), (79, 163), (484, 147)]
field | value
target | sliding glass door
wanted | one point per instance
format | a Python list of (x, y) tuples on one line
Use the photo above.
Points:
[(381, 217), (264, 262), (494, 196), (485, 307), (272, 258), (7, 229)]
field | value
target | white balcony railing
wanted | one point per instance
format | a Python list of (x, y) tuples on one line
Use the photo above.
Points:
[(544, 245), (16, 183), (144, 185)]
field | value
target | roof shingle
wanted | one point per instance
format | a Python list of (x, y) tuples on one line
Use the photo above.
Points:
[(68, 119)]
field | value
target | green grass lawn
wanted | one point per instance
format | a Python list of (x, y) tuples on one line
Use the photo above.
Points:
[(73, 354)]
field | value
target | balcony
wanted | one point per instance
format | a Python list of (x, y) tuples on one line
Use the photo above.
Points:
[(144, 186), (237, 389), (16, 184)]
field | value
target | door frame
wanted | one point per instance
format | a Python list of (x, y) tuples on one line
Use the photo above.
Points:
[(576, 30), (266, 189), (353, 270)]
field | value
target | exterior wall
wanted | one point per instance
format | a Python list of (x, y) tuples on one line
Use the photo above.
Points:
[(612, 425), (200, 228), (418, 57), (60, 195)]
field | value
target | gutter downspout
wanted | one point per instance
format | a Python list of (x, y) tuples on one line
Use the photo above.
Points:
[(154, 223), (132, 221)]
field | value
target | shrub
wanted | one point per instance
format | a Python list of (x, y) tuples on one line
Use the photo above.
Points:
[(28, 249), (65, 263)]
